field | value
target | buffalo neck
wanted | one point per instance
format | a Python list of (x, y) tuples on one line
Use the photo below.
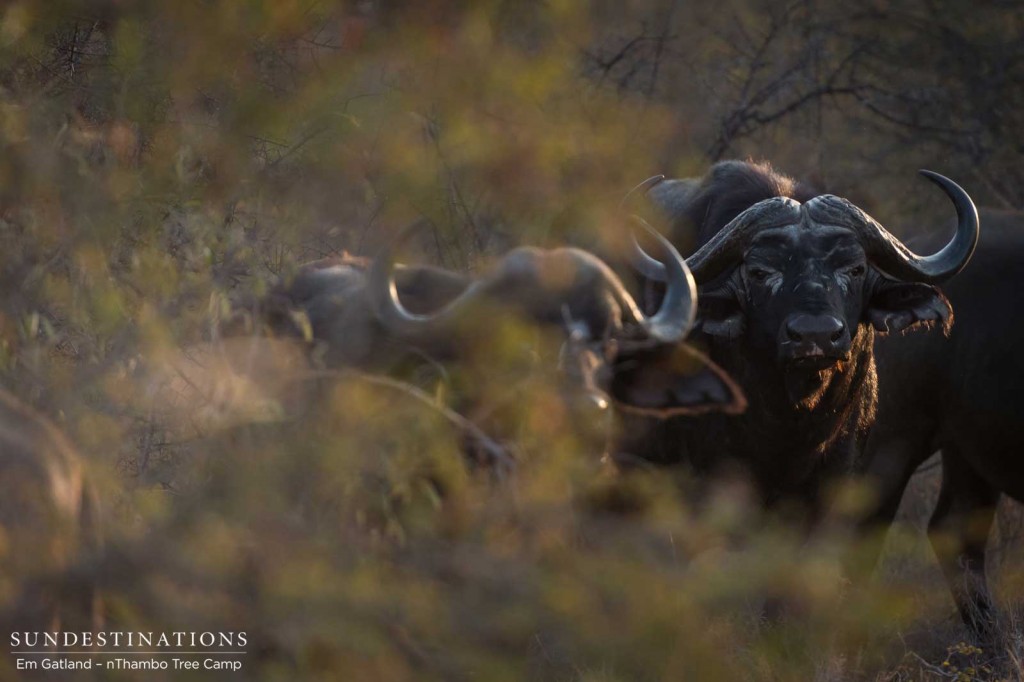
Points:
[(788, 446)]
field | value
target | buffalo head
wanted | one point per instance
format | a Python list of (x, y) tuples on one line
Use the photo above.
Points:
[(612, 354), (798, 281)]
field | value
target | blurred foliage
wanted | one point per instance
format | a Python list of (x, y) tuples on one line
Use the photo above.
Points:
[(163, 159)]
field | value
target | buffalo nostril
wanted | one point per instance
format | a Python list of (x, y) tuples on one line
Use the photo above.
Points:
[(822, 331)]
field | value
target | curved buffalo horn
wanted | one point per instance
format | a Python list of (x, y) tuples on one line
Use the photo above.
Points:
[(642, 262), (648, 267), (678, 310), (884, 250), (669, 324), (645, 187), (727, 246), (891, 256), (387, 306)]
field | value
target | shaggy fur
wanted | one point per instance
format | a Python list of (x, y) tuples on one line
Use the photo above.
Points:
[(698, 208)]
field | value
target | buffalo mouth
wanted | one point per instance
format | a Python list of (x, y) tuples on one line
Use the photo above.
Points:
[(808, 377), (813, 362)]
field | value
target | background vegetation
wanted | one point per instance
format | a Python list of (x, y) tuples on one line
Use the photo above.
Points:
[(161, 159)]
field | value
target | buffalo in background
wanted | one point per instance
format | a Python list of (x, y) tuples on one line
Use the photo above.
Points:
[(962, 394), (423, 324)]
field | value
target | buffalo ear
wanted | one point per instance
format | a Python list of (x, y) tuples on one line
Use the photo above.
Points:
[(673, 380), (720, 315), (899, 306)]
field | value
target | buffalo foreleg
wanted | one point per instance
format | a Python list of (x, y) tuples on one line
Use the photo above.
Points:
[(959, 530)]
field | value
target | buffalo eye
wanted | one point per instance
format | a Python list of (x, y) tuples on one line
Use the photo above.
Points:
[(758, 274), (857, 270)]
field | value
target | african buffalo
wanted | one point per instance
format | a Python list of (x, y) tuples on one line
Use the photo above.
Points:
[(793, 291), (376, 316), (963, 394), (48, 521)]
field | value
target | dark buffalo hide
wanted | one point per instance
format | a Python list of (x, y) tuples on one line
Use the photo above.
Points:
[(793, 291), (964, 395)]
